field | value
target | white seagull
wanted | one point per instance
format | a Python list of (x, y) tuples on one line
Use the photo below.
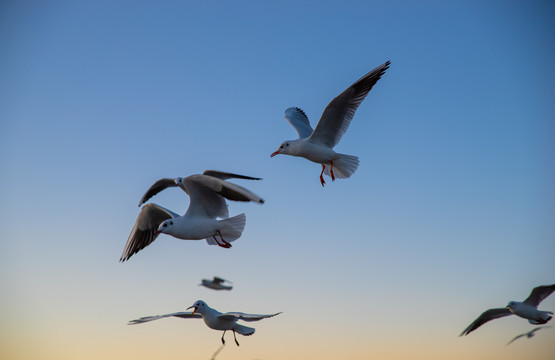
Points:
[(213, 319), (529, 334), (216, 284), (526, 309), (208, 193), (317, 145)]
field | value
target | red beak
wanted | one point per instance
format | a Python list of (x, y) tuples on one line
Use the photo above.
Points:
[(194, 311), (274, 153), (158, 232)]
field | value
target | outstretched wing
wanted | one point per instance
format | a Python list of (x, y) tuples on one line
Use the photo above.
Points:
[(245, 317), (157, 187), (184, 315), (516, 338), (538, 294), (225, 175), (298, 119), (208, 195), (218, 280), (486, 316), (144, 231), (337, 116)]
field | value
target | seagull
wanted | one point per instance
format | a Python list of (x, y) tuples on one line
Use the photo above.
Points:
[(317, 145), (526, 309), (529, 334), (208, 192), (213, 319), (216, 284)]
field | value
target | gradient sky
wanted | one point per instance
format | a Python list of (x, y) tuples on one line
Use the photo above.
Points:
[(451, 211)]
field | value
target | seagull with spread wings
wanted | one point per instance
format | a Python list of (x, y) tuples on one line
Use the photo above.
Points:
[(528, 334), (213, 319), (216, 284), (208, 193), (528, 309), (317, 145)]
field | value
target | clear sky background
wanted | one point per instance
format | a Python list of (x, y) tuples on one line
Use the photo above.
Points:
[(451, 211)]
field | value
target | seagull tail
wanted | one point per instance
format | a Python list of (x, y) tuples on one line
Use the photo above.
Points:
[(542, 319), (343, 167), (244, 330), (230, 228)]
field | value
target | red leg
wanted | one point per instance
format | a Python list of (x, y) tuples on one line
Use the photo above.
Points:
[(331, 171), (322, 173), (226, 244)]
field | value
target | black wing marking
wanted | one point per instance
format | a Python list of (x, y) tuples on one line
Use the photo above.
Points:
[(225, 175)]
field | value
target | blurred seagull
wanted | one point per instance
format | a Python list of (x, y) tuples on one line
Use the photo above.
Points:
[(529, 334), (216, 284), (208, 193), (213, 319), (526, 309), (317, 145)]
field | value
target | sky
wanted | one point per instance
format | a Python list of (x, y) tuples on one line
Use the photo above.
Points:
[(450, 212)]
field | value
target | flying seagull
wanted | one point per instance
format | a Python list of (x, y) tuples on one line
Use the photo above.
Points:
[(317, 145), (213, 319), (208, 193), (526, 309), (216, 284), (529, 334)]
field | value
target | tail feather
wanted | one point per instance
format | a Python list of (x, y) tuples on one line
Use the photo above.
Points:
[(231, 229), (244, 330), (543, 319), (343, 167)]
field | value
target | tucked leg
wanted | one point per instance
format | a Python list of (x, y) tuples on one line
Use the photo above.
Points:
[(321, 175), (223, 341), (224, 243), (235, 337), (331, 171)]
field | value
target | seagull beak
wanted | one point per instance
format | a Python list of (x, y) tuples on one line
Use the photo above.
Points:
[(194, 311), (274, 153), (157, 232)]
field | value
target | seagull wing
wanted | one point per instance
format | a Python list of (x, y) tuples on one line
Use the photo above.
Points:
[(244, 317), (156, 188), (225, 175), (516, 337), (538, 294), (208, 195), (298, 119), (486, 316), (340, 111), (184, 315), (144, 231), (218, 280)]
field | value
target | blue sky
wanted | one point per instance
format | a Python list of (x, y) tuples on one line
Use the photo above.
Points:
[(451, 210)]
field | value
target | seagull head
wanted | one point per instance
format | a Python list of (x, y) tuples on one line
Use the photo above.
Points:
[(178, 181), (165, 227), (282, 149), (199, 306), (511, 305)]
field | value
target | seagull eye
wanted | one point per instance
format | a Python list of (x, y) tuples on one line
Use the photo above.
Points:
[(165, 225)]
